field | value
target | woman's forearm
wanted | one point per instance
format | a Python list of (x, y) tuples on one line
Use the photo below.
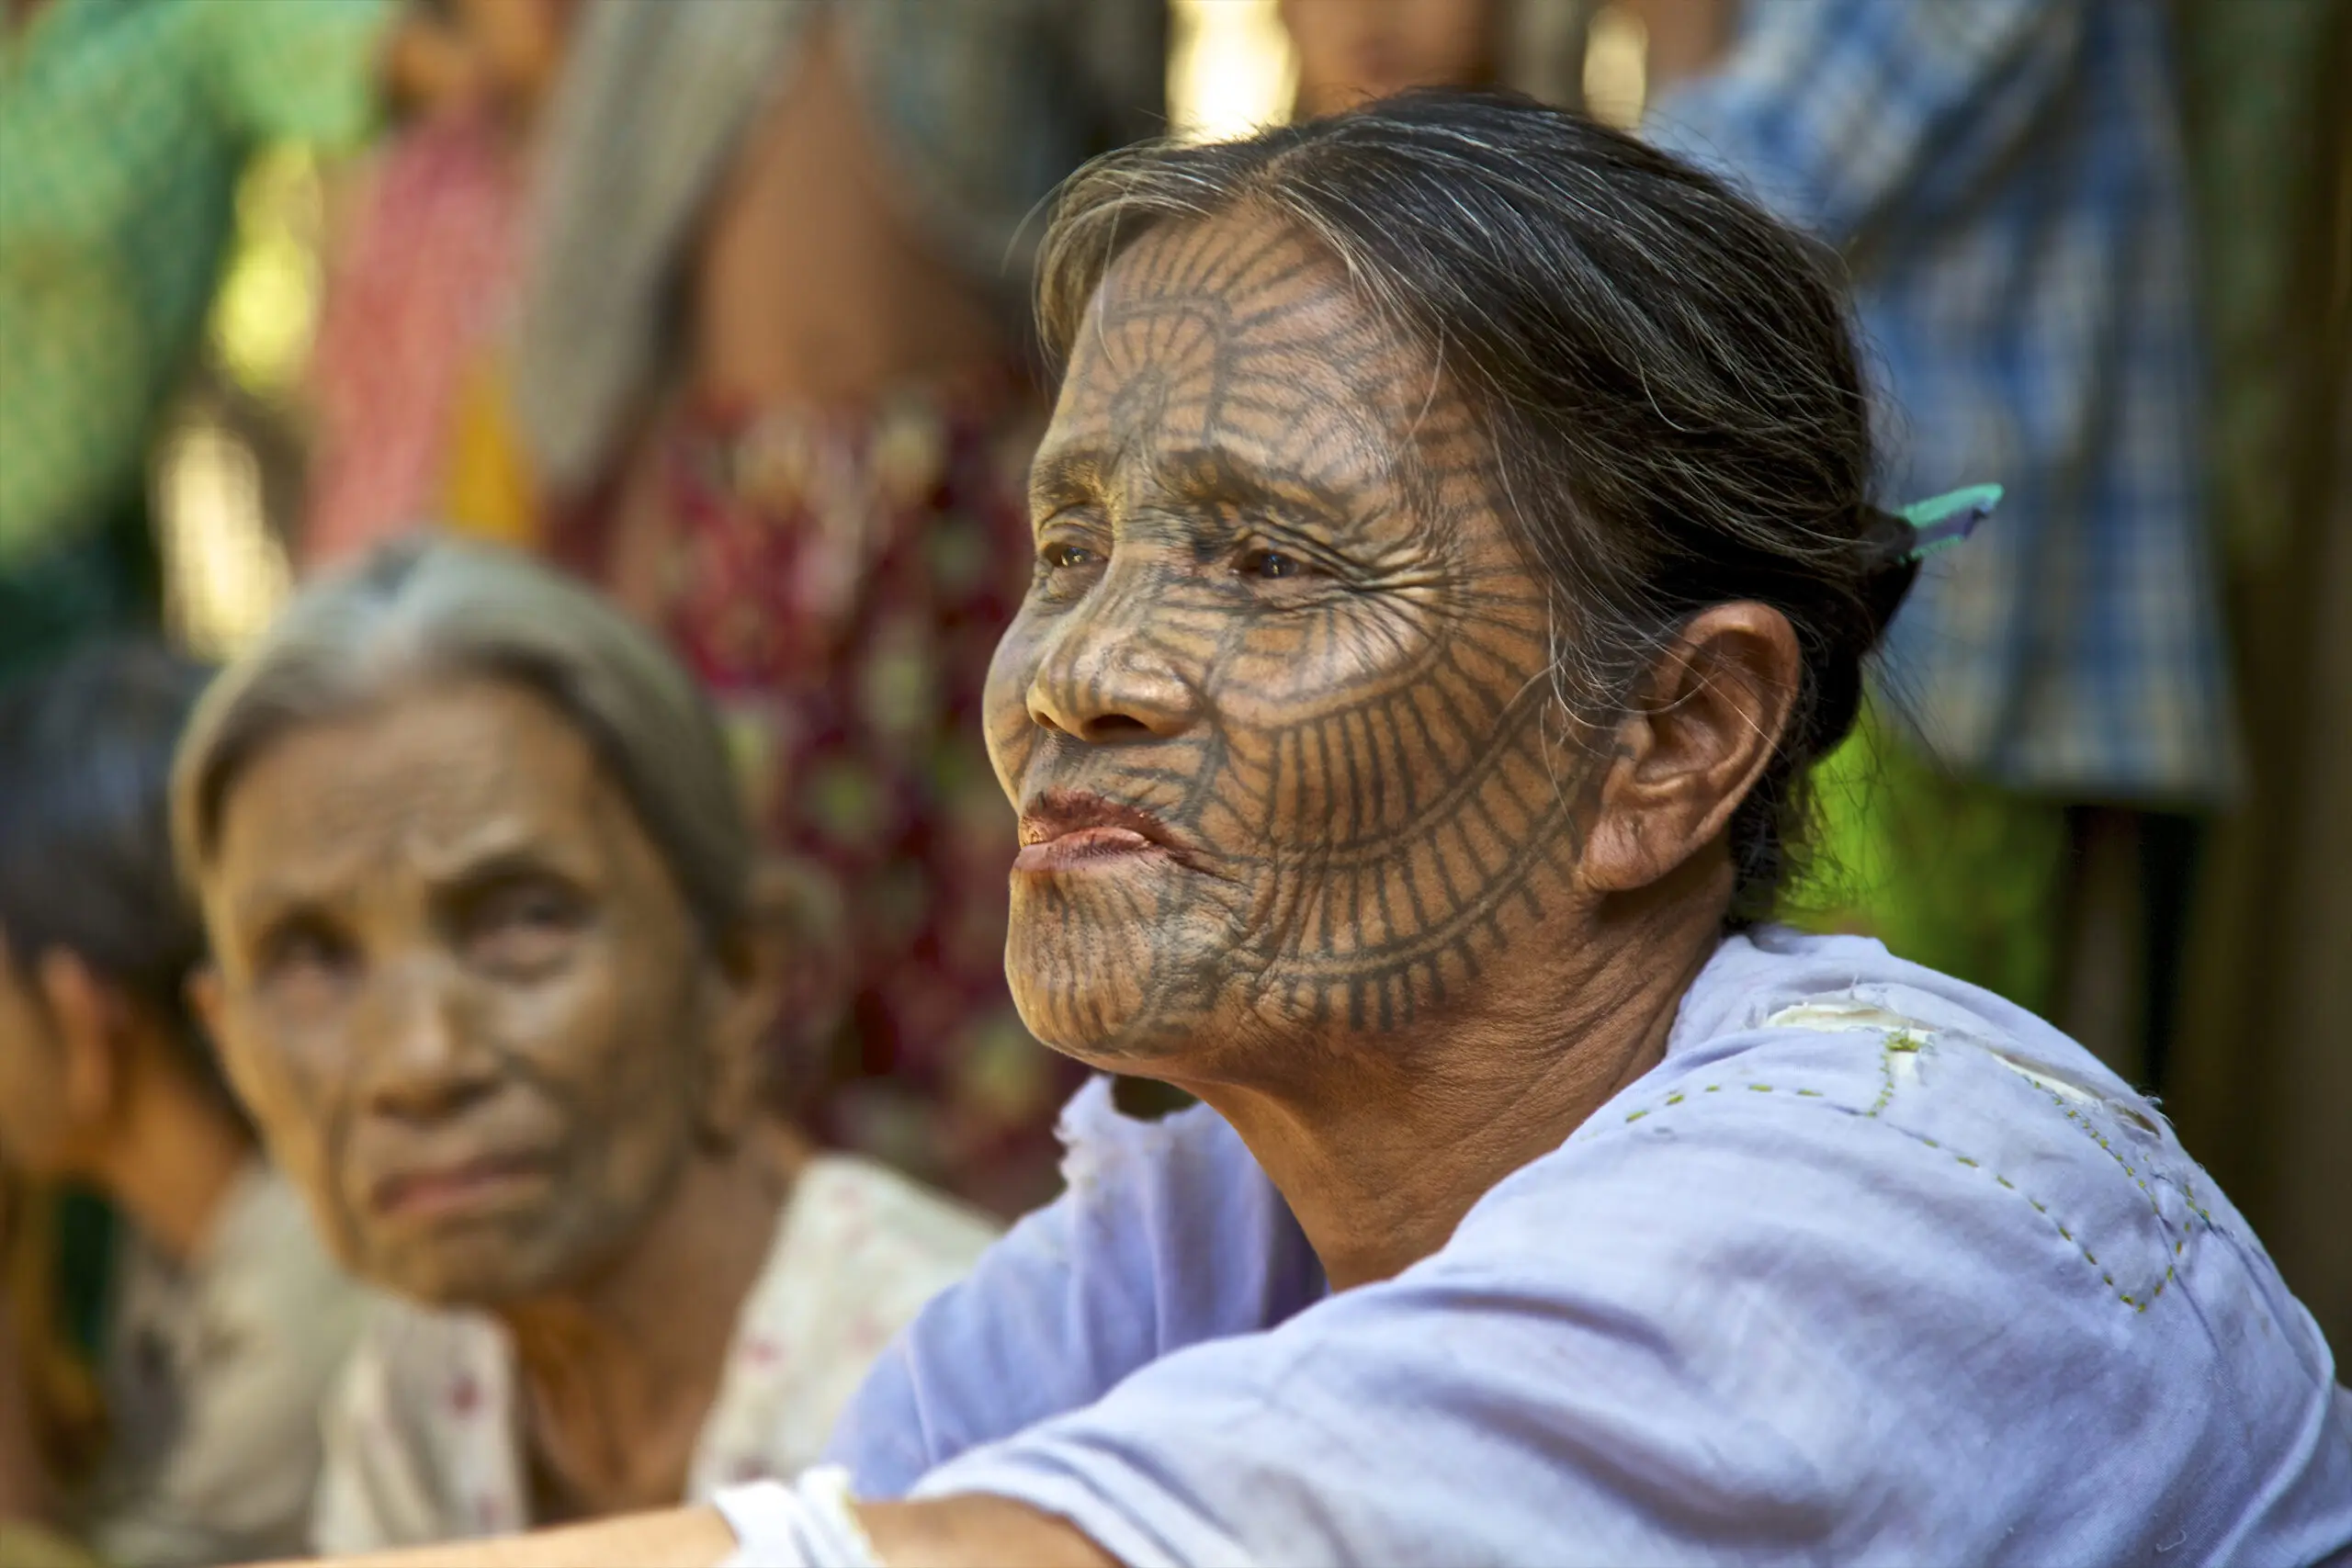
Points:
[(976, 1532), (674, 1538), (950, 1532)]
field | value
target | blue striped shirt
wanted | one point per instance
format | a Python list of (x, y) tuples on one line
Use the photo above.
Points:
[(2006, 180)]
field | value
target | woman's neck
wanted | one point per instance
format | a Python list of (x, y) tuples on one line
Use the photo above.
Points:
[(1385, 1144), (174, 1156), (618, 1377)]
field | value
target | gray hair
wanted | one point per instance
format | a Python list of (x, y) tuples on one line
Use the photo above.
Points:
[(1670, 377), (427, 609)]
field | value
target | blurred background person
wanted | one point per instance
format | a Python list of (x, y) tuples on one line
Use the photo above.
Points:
[(2260, 1076), (125, 128), (124, 125), (2006, 181), (772, 377), (1345, 52), (1348, 50), (2073, 820), (493, 977), (50, 1424), (226, 1320), (408, 379)]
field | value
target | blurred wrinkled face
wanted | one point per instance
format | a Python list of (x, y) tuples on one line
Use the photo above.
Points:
[(1274, 710), (32, 1075), (461, 992)]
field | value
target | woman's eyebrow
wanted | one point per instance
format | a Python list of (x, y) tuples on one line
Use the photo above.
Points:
[(1201, 474), (507, 864), (269, 903), (1213, 474), (525, 857), (1060, 477)]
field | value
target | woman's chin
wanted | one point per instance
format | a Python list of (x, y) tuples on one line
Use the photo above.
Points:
[(1112, 989), (1098, 1016)]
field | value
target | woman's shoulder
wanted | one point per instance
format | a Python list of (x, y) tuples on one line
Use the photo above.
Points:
[(1881, 1174), (415, 1369), (418, 1432), (848, 1204), (1823, 1065), (1839, 1024)]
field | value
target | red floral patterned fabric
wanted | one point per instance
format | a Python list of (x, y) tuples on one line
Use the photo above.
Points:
[(419, 285), (839, 581)]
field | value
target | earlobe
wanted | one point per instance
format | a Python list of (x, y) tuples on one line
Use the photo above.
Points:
[(91, 1021), (206, 1001), (746, 994)]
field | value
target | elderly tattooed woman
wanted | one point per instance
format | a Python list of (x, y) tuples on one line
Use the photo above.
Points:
[(1451, 551), (492, 976)]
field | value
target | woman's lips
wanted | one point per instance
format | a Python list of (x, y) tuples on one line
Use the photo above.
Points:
[(1066, 852), (453, 1192), (1068, 831)]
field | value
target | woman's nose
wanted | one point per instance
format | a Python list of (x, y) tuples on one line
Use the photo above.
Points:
[(1110, 678), (420, 1059)]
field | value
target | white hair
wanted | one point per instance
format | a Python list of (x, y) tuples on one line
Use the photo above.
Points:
[(432, 609)]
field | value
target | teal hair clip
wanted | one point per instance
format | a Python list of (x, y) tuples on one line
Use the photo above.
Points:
[(1943, 520)]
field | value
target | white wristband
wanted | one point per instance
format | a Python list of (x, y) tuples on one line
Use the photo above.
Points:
[(840, 1540), (808, 1525), (765, 1517)]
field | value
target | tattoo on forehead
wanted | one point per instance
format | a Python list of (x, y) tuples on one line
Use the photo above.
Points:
[(1206, 342), (1398, 815)]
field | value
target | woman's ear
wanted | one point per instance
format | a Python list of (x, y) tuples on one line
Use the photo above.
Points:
[(756, 964), (206, 1000), (93, 1025), (1709, 719)]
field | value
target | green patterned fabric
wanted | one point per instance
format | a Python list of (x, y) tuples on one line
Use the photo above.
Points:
[(1957, 874), (124, 125)]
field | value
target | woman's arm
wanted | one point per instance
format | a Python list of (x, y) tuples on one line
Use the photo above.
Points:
[(674, 1538), (973, 1532), (951, 1533)]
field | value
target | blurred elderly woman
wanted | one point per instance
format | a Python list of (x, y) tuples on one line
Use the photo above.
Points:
[(1452, 549), (492, 980)]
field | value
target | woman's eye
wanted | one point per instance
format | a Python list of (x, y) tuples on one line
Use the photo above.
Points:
[(1268, 564), (305, 954), (1061, 555), (523, 927)]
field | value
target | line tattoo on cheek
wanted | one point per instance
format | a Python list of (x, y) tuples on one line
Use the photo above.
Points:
[(1301, 638)]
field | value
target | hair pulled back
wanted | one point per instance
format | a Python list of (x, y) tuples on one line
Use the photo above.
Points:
[(1668, 375)]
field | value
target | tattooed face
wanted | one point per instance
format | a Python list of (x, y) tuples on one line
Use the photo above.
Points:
[(1275, 713), (460, 993)]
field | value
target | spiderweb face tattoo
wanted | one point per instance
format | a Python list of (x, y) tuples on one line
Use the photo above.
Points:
[(1275, 711)]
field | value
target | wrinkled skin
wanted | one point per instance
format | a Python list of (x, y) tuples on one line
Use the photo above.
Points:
[(1276, 607), (462, 995)]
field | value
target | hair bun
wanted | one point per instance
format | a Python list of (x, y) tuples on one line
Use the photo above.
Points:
[(1889, 565)]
